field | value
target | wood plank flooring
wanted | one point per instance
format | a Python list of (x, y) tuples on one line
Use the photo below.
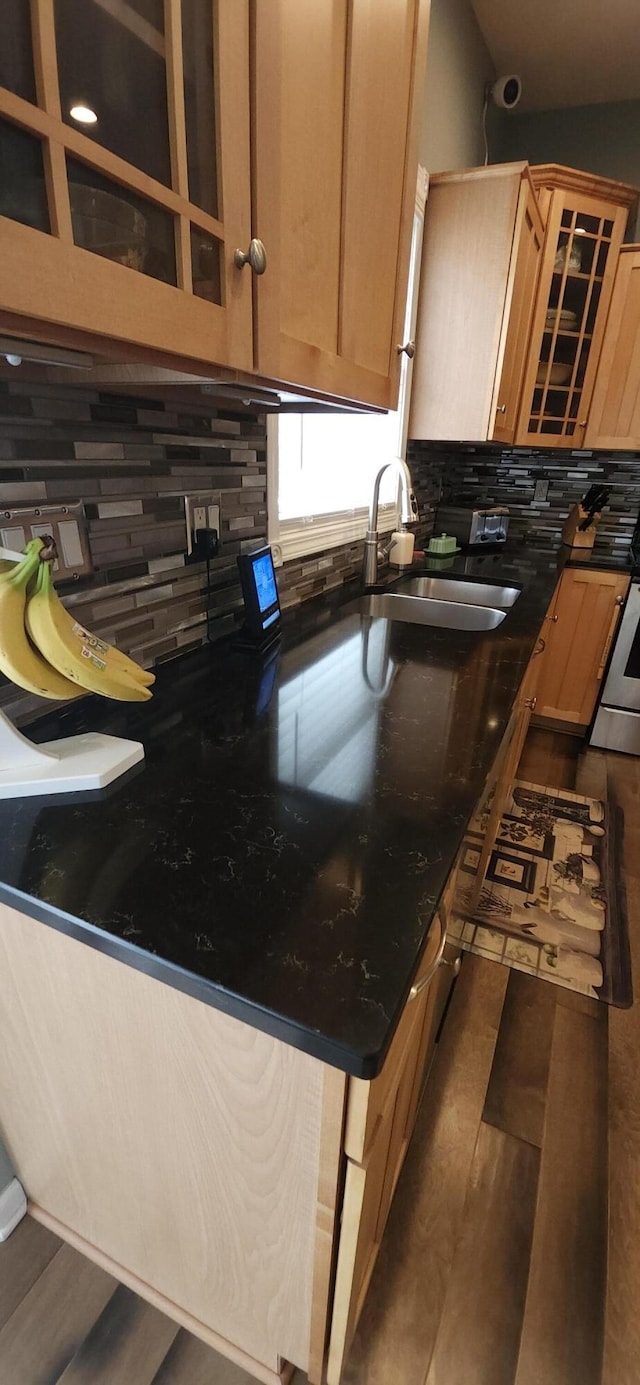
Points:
[(496, 1268)]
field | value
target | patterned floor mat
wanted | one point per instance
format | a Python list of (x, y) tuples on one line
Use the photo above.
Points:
[(553, 903)]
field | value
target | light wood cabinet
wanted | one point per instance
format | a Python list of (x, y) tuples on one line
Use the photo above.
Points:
[(216, 1171), (379, 1124), (481, 250), (586, 218), (516, 312), (116, 231), (337, 94), (290, 122), (580, 629), (614, 418)]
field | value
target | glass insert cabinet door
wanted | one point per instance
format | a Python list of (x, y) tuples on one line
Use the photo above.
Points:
[(582, 241), (124, 143)]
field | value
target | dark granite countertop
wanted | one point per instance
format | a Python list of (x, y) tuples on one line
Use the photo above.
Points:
[(607, 562), (281, 852)]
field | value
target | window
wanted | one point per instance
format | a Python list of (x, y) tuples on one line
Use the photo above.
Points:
[(322, 467)]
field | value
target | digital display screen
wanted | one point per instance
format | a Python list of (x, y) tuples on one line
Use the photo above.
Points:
[(265, 580), (260, 592)]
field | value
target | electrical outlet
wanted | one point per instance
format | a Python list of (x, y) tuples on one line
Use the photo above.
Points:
[(201, 512), (541, 491)]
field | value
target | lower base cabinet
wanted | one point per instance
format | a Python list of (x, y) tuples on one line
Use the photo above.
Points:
[(579, 631), (380, 1119), (216, 1171)]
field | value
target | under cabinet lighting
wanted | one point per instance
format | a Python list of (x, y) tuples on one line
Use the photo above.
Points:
[(83, 114)]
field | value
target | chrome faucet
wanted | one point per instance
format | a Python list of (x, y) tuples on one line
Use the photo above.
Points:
[(373, 554)]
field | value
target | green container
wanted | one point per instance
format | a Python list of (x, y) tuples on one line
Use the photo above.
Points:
[(444, 544)]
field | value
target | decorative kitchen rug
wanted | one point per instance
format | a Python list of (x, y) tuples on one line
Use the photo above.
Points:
[(553, 903)]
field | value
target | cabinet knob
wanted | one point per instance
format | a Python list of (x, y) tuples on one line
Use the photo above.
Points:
[(530, 702), (256, 256), (409, 349), (582, 423), (619, 601), (553, 618), (501, 409)]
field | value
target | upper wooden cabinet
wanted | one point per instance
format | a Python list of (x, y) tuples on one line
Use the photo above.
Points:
[(337, 91), (586, 218), (125, 154), (511, 319), (143, 145), (482, 242), (614, 418)]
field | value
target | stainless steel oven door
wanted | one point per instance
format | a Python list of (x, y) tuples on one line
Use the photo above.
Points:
[(622, 688)]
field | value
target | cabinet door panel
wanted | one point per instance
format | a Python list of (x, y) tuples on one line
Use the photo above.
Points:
[(313, 56), (582, 239), (377, 116), (614, 420), (518, 311), (573, 663), (467, 262), (368, 1195), (129, 257), (334, 189)]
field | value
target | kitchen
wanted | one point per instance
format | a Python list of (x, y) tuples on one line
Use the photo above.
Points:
[(130, 441)]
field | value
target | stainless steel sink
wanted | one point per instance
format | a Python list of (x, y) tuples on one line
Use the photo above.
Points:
[(417, 609), (456, 589)]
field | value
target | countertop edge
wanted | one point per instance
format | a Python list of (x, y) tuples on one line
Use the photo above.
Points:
[(312, 1042)]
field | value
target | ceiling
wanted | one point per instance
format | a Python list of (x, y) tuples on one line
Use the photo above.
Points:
[(568, 52)]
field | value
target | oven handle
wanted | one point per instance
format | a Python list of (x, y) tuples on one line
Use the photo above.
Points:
[(609, 640)]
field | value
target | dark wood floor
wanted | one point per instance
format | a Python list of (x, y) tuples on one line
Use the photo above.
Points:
[(512, 1254)]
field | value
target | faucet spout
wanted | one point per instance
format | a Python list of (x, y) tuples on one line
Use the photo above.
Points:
[(408, 511)]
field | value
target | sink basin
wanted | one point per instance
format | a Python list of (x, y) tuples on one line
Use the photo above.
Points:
[(456, 589), (419, 609)]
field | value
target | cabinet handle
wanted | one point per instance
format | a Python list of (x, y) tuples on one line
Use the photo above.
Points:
[(540, 647), (409, 349), (429, 975), (501, 409), (455, 965), (530, 702), (256, 256)]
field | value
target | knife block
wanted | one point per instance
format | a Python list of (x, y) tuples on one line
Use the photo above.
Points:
[(572, 535)]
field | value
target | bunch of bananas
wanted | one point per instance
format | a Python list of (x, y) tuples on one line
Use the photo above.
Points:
[(45, 651)]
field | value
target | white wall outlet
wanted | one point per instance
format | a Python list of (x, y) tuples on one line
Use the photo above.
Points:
[(201, 512), (541, 491)]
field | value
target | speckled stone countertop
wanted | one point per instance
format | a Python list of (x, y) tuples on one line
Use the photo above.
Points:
[(280, 853)]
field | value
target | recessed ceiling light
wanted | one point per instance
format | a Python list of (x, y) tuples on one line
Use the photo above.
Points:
[(580, 231), (83, 114)]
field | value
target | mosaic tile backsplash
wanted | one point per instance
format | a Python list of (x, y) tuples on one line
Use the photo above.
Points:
[(131, 460), (482, 476)]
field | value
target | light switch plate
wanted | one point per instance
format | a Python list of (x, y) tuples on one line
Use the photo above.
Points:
[(67, 524), (201, 512)]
